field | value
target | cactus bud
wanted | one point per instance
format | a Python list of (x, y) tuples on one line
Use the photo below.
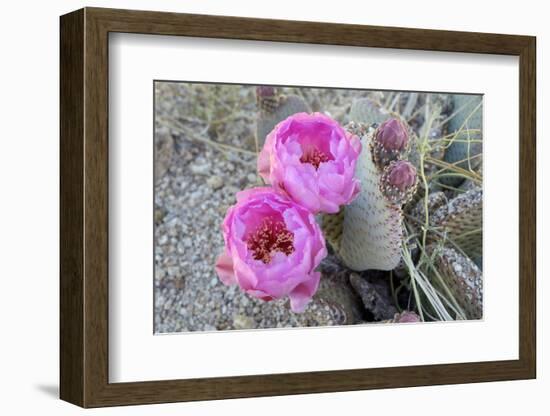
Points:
[(390, 141), (392, 135), (265, 91), (267, 98), (406, 317), (398, 182)]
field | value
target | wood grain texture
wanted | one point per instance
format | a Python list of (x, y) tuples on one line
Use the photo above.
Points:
[(84, 207), (527, 208), (71, 100)]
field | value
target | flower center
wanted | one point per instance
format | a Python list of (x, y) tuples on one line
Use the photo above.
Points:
[(271, 236), (314, 157)]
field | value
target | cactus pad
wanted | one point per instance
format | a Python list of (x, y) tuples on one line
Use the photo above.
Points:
[(332, 225), (463, 278), (468, 117), (461, 219), (372, 227), (365, 110)]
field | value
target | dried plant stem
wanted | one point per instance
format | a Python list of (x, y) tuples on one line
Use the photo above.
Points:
[(188, 133), (452, 166), (461, 129), (420, 281), (455, 113)]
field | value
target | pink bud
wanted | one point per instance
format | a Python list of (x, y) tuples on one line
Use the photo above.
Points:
[(398, 182), (406, 317), (392, 135), (402, 175), (265, 91)]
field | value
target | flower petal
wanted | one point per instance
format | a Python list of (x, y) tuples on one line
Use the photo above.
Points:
[(301, 295), (224, 269)]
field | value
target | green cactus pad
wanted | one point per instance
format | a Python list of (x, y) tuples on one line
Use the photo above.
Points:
[(462, 149), (365, 110), (372, 227), (463, 278), (332, 226), (461, 219)]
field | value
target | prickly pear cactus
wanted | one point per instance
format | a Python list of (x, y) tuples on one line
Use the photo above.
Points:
[(467, 145), (365, 110), (336, 296), (274, 108), (372, 228), (463, 278), (461, 220)]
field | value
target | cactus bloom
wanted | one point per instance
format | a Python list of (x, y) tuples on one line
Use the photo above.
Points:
[(272, 247), (312, 159)]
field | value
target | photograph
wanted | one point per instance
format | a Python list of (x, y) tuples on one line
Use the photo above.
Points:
[(294, 206)]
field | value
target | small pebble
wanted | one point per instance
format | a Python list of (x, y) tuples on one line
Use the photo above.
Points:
[(243, 322), (215, 182), (200, 169)]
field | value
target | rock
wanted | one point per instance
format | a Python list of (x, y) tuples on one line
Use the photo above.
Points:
[(159, 215), (375, 294), (243, 322), (215, 182), (203, 169)]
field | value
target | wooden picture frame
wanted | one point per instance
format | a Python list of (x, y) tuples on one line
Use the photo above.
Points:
[(84, 207)]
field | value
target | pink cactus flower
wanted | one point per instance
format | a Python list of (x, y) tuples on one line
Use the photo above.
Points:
[(312, 159), (272, 247)]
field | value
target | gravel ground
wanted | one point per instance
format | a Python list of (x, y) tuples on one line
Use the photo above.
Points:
[(195, 184)]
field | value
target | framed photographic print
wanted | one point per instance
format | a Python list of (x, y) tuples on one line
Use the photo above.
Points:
[(255, 207)]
